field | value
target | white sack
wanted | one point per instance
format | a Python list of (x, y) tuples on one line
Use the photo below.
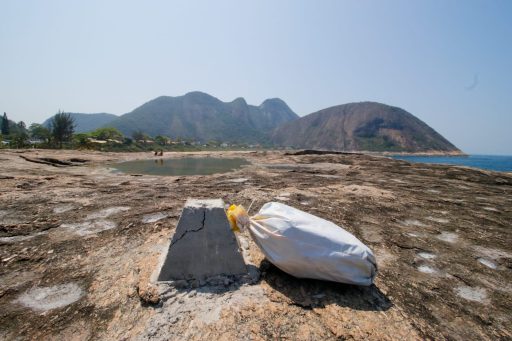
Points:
[(307, 246)]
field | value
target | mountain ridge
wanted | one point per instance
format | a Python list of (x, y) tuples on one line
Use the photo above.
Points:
[(201, 116), (358, 126), (86, 122), (362, 126)]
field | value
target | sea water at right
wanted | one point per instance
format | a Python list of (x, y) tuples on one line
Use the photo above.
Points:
[(501, 163)]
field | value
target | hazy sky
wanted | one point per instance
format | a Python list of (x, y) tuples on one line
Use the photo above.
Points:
[(447, 62)]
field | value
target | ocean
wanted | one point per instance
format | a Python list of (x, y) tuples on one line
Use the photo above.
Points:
[(490, 162)]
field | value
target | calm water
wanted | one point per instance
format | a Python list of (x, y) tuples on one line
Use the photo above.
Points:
[(491, 162), (181, 166)]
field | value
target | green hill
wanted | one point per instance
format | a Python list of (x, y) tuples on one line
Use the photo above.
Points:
[(200, 116), (365, 126), (87, 122)]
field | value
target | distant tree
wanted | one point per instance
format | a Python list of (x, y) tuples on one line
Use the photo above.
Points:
[(40, 132), (81, 139), (5, 125), (20, 139), (21, 125), (139, 136), (20, 135), (107, 134), (162, 140), (62, 127)]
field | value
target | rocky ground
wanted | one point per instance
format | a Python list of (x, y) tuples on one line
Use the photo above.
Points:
[(79, 245)]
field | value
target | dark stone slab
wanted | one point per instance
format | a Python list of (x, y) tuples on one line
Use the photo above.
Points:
[(203, 245)]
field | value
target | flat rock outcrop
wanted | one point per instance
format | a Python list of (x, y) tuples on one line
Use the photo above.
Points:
[(441, 235)]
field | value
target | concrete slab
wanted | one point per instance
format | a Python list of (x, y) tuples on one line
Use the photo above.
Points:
[(203, 245)]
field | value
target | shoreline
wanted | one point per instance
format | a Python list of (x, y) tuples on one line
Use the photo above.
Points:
[(427, 153)]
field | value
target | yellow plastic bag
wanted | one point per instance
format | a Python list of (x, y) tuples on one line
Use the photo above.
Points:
[(237, 217)]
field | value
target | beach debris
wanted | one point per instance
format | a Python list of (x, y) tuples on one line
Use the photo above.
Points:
[(306, 246)]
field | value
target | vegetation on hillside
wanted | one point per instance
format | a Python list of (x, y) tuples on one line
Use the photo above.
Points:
[(201, 117), (364, 126), (13, 134), (87, 122), (17, 135), (59, 133), (202, 122)]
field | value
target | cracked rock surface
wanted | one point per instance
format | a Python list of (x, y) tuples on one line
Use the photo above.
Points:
[(441, 234), (203, 245)]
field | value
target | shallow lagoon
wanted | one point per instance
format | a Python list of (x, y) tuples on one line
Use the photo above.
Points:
[(181, 166)]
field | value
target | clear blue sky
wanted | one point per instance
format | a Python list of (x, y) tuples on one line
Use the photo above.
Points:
[(447, 62)]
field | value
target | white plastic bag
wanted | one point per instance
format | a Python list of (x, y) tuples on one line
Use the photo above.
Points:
[(307, 246)]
